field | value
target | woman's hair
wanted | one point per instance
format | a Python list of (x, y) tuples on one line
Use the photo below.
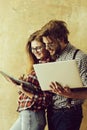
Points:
[(31, 57), (56, 29), (28, 46)]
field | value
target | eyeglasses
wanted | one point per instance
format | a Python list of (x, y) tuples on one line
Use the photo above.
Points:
[(50, 45), (38, 48)]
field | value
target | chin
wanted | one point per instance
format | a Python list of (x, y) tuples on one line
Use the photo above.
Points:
[(39, 58), (52, 53)]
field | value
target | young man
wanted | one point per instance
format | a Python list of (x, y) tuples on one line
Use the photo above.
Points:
[(65, 113)]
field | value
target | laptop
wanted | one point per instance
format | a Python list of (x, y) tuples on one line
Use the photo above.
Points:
[(64, 72)]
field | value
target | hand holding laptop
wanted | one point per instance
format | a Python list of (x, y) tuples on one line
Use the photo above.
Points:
[(64, 72)]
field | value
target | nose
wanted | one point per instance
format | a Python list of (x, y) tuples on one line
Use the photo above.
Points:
[(47, 47)]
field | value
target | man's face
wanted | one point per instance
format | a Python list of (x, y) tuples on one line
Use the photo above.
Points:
[(52, 45)]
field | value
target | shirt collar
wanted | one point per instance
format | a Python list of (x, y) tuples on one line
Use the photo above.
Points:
[(66, 50)]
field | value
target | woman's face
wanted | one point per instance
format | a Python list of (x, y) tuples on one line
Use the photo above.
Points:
[(38, 49)]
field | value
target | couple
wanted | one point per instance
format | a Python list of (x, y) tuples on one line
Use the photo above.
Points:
[(64, 108)]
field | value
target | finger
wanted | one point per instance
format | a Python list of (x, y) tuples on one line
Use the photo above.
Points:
[(67, 89), (59, 86), (52, 85), (53, 89), (21, 86)]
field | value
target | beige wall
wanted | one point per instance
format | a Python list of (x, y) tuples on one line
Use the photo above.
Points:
[(18, 19)]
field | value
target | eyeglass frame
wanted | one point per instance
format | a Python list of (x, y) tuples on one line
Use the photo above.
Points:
[(38, 48)]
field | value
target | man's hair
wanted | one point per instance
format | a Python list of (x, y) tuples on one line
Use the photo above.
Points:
[(57, 29)]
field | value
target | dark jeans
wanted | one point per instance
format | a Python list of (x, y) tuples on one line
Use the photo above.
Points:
[(65, 118)]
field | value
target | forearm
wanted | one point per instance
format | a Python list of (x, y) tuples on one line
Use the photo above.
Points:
[(79, 94)]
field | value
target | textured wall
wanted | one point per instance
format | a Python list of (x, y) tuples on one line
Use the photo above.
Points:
[(18, 19)]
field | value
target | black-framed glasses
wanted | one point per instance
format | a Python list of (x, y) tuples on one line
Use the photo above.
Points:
[(38, 48), (50, 45)]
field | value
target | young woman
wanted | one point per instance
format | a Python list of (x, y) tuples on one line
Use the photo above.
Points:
[(31, 107)]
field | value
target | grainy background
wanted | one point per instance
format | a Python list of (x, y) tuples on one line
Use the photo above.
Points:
[(18, 19)]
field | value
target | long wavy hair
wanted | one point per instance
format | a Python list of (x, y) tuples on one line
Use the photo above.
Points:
[(31, 57)]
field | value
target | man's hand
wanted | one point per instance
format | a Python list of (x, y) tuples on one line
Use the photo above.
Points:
[(60, 90)]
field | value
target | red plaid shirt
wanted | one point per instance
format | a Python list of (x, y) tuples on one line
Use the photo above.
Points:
[(39, 101)]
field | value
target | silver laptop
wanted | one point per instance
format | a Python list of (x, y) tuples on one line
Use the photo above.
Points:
[(64, 72)]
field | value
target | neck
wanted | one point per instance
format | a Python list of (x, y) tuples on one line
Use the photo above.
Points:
[(63, 45), (62, 48), (54, 57), (45, 60)]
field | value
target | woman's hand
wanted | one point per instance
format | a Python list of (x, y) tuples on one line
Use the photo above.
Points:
[(25, 92)]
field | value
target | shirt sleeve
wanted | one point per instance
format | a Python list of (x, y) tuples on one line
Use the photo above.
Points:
[(41, 99), (83, 70), (82, 62)]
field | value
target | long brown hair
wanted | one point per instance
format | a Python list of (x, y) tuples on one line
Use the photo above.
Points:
[(31, 58)]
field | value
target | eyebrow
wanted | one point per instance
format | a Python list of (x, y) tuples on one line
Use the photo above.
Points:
[(49, 43)]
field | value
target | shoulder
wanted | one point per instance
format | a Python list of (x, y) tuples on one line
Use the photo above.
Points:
[(81, 55), (81, 59)]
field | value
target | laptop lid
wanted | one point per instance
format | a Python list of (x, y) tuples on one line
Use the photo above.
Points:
[(64, 72)]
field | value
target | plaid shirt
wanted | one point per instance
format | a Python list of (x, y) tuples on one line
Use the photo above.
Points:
[(39, 101)]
